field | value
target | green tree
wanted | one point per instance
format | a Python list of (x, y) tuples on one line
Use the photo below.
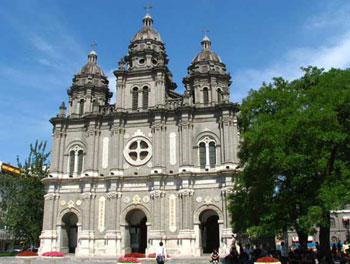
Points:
[(295, 155), (22, 197)]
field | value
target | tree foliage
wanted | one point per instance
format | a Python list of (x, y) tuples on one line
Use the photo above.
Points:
[(22, 196), (295, 154)]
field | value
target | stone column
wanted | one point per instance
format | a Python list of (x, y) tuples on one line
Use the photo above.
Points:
[(112, 234), (97, 151), (62, 146), (156, 197), (187, 212), (90, 140), (226, 124), (55, 152), (157, 145)]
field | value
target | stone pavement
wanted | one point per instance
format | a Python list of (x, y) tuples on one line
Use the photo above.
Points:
[(73, 260)]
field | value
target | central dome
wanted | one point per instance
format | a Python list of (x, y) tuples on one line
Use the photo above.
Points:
[(147, 32)]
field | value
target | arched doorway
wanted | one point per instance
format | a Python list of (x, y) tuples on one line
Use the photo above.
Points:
[(209, 230), (69, 233), (136, 231)]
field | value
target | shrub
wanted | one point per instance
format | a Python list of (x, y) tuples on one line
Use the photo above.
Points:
[(267, 259), (8, 254), (27, 254), (53, 254), (128, 260), (134, 255)]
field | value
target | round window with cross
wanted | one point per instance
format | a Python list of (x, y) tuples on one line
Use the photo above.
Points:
[(138, 151)]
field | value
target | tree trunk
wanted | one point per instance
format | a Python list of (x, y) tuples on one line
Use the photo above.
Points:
[(324, 238), (302, 240)]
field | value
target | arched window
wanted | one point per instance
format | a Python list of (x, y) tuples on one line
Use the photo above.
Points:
[(205, 96), (212, 155), (76, 161), (207, 153), (71, 163), (80, 161), (202, 155), (145, 97), (81, 107), (135, 98), (219, 96)]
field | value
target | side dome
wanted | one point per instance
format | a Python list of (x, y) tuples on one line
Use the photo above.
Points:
[(91, 67), (147, 32), (206, 53)]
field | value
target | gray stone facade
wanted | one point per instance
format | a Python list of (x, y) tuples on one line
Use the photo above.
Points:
[(155, 166)]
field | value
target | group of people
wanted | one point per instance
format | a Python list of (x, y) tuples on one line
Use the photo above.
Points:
[(247, 255)]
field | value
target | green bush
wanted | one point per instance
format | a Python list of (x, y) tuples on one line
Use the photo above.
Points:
[(8, 254)]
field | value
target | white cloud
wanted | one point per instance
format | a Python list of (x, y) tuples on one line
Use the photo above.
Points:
[(333, 55)]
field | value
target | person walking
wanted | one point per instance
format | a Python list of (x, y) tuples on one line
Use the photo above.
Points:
[(160, 254)]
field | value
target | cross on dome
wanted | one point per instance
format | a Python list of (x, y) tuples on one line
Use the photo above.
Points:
[(148, 7), (147, 20), (206, 43)]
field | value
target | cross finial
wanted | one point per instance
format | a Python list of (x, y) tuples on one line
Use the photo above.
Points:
[(205, 31), (148, 7), (93, 45)]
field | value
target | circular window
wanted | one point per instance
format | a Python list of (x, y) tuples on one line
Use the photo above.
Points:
[(154, 61), (141, 61), (138, 151)]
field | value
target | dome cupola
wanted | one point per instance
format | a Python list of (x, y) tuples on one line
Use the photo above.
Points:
[(207, 82), (206, 53), (90, 86)]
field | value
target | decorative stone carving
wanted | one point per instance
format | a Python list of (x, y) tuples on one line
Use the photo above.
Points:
[(136, 199), (199, 199), (172, 212), (172, 148), (126, 136), (216, 198), (114, 195), (63, 203), (157, 194), (138, 151), (226, 191), (78, 202), (186, 192), (101, 213), (208, 200), (126, 200), (88, 195), (105, 150), (145, 199), (70, 204)]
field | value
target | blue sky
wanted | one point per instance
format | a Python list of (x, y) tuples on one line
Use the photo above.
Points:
[(45, 42)]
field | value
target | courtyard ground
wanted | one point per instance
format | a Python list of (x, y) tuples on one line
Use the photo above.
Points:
[(73, 260)]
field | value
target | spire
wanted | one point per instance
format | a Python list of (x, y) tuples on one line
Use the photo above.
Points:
[(147, 20), (206, 43), (93, 55)]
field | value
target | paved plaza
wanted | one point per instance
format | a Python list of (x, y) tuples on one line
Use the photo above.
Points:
[(73, 260)]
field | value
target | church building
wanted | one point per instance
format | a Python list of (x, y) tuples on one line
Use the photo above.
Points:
[(154, 166)]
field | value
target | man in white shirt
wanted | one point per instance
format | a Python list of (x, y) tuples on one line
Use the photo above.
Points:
[(160, 253)]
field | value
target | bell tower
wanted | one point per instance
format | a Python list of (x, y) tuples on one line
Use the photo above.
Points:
[(89, 88), (207, 82), (143, 78)]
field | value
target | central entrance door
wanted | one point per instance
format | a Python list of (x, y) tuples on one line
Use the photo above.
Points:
[(209, 231), (137, 228)]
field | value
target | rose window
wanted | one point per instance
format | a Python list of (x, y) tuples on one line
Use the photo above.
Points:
[(138, 151)]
